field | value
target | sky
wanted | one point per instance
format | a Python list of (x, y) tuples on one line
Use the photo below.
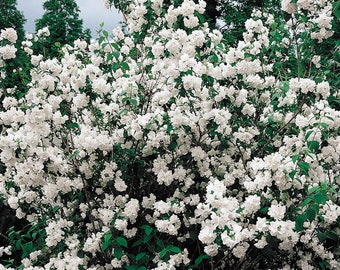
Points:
[(93, 12)]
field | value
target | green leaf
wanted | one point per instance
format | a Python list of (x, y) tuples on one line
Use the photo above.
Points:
[(200, 17), (304, 167), (163, 252), (146, 239), (137, 243), (148, 230), (75, 153), (284, 86), (324, 126), (292, 174), (309, 132), (322, 236), (264, 209), (320, 198), (313, 146), (311, 214), (140, 256), (121, 241), (336, 9), (172, 145), (115, 67), (141, 268), (107, 241), (115, 45), (313, 189), (118, 253), (201, 258), (174, 249), (160, 243), (295, 158), (107, 237), (101, 39), (131, 267), (306, 201), (324, 185), (213, 59), (133, 101), (300, 219), (71, 125), (125, 66), (27, 249), (109, 57), (116, 54), (125, 99), (18, 244), (105, 33)]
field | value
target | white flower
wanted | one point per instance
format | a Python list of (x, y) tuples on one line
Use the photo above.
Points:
[(211, 250), (131, 210), (261, 243), (301, 121), (162, 207), (251, 204), (10, 34), (307, 85), (35, 59), (106, 215), (207, 235), (324, 21), (55, 231), (240, 250), (331, 212), (288, 6), (158, 49), (92, 243), (261, 224), (51, 191), (120, 185), (13, 202), (121, 224), (44, 32), (277, 211), (187, 8), (304, 4), (170, 226), (191, 21), (323, 89), (117, 264), (7, 52), (58, 119)]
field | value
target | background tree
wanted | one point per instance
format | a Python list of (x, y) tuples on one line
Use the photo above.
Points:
[(12, 17), (61, 17), (15, 69)]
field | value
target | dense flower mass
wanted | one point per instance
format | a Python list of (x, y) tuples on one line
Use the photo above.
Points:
[(161, 148)]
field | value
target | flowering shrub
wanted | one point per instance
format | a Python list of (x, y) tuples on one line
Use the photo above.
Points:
[(162, 148)]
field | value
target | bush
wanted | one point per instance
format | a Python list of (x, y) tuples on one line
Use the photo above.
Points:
[(162, 148)]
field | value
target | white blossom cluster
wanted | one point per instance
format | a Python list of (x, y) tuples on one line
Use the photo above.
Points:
[(8, 51), (319, 16), (165, 132)]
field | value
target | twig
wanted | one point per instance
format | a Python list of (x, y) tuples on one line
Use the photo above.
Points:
[(4, 236)]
